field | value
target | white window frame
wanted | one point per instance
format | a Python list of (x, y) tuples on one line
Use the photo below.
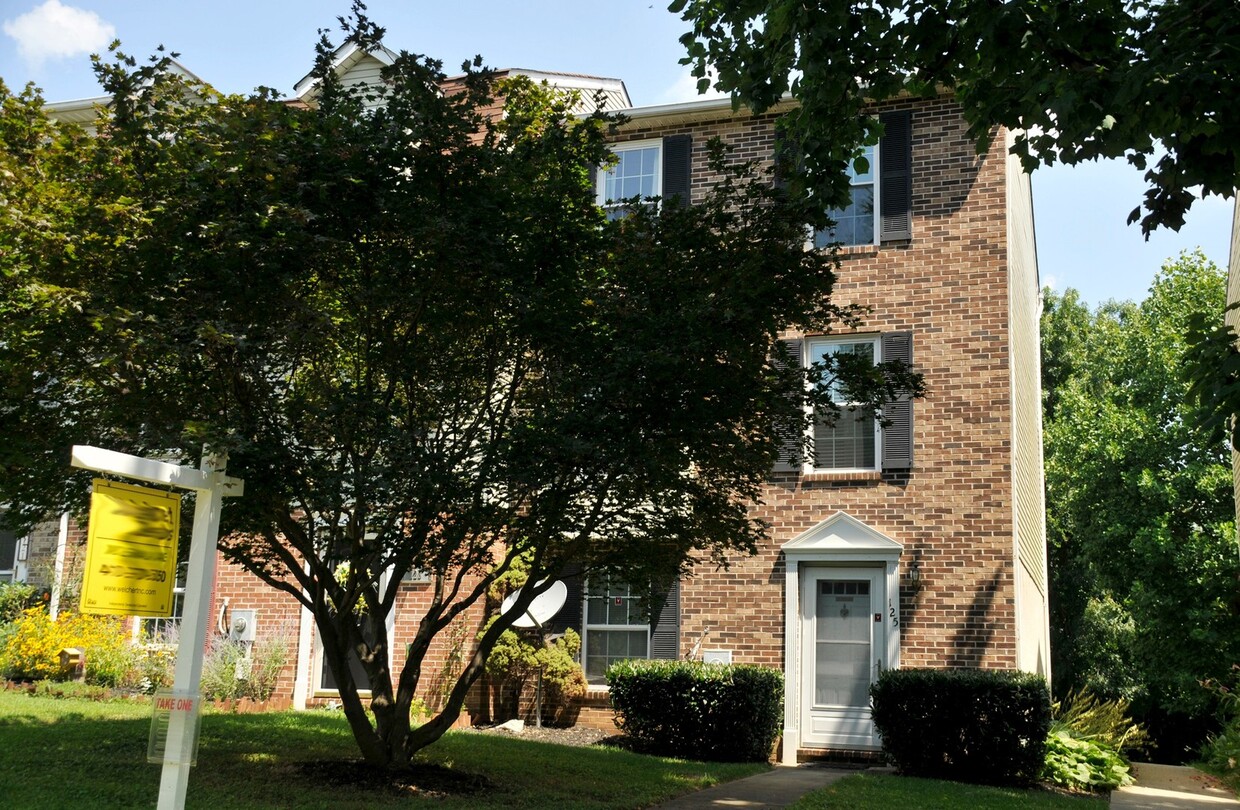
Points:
[(618, 149), (812, 348), (820, 239), (587, 627), (160, 623), (318, 663)]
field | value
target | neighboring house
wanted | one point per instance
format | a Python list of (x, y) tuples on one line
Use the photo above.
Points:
[(919, 544)]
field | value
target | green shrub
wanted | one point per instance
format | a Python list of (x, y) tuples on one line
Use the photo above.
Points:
[(1105, 722), (698, 711), (1083, 764), (515, 660), (1221, 753), (983, 726), (32, 647), (1084, 750), (114, 662), (219, 670), (231, 671), (15, 597), (267, 659)]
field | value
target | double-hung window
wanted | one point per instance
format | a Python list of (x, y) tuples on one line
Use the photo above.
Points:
[(655, 167), (881, 205), (637, 173), (857, 223), (615, 622), (852, 442), (855, 441), (616, 628)]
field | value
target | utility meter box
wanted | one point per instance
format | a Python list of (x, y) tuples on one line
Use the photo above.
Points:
[(242, 624)]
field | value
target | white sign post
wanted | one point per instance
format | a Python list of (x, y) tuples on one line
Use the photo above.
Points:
[(211, 486)]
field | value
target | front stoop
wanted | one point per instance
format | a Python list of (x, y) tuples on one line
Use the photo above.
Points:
[(841, 757)]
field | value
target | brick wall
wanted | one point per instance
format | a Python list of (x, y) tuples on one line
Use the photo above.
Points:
[(280, 613), (953, 511)]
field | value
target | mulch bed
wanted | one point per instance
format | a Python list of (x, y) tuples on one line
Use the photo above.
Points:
[(423, 779), (436, 780), (573, 735)]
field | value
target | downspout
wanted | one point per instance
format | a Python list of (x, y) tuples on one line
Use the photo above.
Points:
[(62, 542), (1232, 318)]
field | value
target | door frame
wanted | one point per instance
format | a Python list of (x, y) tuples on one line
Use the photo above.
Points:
[(840, 541), (850, 726)]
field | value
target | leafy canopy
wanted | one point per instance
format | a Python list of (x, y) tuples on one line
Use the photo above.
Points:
[(1076, 80), (1139, 499)]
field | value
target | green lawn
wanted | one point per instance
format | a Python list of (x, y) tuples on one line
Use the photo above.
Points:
[(79, 753), (865, 791)]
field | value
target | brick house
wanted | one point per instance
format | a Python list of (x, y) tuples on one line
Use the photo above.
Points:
[(921, 544)]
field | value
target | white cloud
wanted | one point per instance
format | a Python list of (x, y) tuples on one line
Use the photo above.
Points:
[(685, 89), (56, 31), (1051, 281)]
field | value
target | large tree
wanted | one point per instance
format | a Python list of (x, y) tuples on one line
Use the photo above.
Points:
[(1078, 80), (1139, 504), (415, 334)]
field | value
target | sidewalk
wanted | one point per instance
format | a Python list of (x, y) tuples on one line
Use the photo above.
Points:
[(1172, 787), (779, 787), (1157, 787)]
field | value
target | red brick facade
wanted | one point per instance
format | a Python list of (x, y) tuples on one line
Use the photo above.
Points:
[(956, 286), (953, 510)]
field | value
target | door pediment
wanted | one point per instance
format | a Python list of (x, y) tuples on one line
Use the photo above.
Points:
[(842, 537)]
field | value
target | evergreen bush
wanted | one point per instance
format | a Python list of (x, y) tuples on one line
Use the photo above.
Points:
[(969, 725), (698, 711)]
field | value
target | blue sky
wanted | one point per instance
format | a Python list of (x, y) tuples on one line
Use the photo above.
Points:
[(1083, 241)]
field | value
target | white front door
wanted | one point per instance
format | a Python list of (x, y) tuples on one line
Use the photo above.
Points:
[(843, 643)]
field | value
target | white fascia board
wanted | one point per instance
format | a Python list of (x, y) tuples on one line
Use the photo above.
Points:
[(576, 82), (77, 111), (687, 111)]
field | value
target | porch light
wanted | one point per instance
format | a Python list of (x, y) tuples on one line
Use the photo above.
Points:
[(914, 576)]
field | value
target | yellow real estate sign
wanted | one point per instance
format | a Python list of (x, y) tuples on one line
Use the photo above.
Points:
[(131, 550)]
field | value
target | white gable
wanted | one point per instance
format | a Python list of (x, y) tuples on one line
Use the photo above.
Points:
[(353, 64), (842, 536)]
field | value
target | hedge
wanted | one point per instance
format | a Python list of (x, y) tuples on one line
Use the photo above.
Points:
[(970, 725), (702, 711)]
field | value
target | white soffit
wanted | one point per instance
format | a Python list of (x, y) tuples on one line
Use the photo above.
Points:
[(842, 536)]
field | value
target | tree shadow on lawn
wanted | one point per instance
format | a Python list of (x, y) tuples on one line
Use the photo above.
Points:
[(279, 759), (97, 759)]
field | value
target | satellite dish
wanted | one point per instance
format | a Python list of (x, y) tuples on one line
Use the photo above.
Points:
[(542, 609)]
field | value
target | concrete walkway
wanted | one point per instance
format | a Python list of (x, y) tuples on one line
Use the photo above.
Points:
[(1156, 787), (779, 787), (1172, 787)]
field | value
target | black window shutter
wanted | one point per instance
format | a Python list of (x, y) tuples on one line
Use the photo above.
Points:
[(677, 160), (895, 167), (791, 440), (898, 436), (665, 629), (787, 159), (594, 181), (570, 614)]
